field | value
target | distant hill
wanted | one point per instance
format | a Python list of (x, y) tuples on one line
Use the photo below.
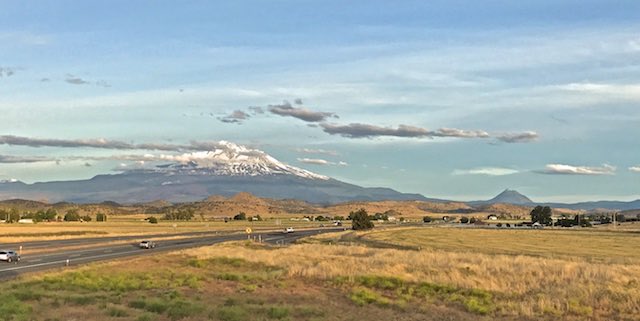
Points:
[(508, 196), (605, 205)]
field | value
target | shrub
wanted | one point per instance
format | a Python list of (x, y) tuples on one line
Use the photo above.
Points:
[(278, 313), (145, 317), (181, 309), (101, 217), (426, 219), (242, 216), (464, 220), (86, 218), (232, 313), (152, 220), (360, 220), (118, 313)]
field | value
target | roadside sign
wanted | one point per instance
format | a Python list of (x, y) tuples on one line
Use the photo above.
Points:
[(248, 230)]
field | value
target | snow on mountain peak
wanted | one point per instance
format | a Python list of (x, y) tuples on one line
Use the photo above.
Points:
[(226, 158)]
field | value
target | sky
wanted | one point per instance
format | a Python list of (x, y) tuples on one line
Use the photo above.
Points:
[(451, 99)]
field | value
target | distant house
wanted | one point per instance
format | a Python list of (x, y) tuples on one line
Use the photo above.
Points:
[(492, 217), (25, 221)]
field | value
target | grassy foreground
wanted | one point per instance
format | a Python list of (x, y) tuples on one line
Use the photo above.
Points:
[(326, 279)]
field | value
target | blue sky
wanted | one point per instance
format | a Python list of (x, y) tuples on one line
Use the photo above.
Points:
[(452, 99)]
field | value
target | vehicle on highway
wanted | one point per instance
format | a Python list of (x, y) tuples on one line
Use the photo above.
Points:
[(9, 256), (288, 230), (147, 244)]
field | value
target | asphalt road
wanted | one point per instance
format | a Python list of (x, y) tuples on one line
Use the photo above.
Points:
[(59, 256)]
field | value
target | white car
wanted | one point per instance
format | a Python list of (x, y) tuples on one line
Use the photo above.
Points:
[(147, 244), (288, 230), (9, 256)]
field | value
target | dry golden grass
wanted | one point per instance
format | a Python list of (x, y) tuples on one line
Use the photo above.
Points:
[(121, 227), (523, 286), (588, 244)]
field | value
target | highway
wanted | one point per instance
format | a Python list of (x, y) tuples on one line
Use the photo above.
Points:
[(94, 249)]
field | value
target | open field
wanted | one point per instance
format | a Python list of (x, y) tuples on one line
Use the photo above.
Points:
[(457, 274), (122, 226), (591, 245)]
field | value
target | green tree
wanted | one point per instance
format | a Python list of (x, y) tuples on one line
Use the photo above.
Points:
[(427, 219), (360, 220), (242, 216), (464, 220), (180, 214), (72, 215), (152, 220), (51, 214), (101, 217), (541, 215), (14, 216)]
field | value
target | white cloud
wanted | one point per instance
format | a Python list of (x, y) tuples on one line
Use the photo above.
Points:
[(314, 161), (489, 171), (608, 90), (562, 169), (635, 169), (316, 151), (319, 161)]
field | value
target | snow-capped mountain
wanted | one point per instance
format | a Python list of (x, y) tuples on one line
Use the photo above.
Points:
[(222, 168), (232, 160)]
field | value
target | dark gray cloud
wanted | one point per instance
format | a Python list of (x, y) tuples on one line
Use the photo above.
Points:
[(358, 130), (7, 159), (71, 79), (92, 143), (460, 133), (298, 101), (7, 71), (45, 80), (286, 109), (236, 117), (524, 137)]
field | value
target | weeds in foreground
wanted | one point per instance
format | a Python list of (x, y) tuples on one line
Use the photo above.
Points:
[(395, 292)]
